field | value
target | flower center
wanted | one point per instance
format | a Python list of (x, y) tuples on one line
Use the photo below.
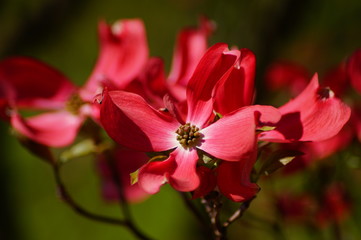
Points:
[(74, 104), (188, 135)]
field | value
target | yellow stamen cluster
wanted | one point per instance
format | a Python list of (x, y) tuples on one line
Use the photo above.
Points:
[(188, 135), (74, 104)]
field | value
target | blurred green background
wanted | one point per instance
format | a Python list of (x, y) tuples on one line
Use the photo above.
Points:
[(316, 34)]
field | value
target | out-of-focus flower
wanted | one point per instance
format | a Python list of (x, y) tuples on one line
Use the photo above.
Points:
[(335, 206), (120, 164), (123, 54), (331, 206), (287, 76), (30, 84), (296, 208)]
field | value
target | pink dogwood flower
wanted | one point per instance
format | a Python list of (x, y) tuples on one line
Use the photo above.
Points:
[(132, 122)]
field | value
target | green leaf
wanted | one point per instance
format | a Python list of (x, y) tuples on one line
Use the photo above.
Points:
[(158, 158), (134, 177), (277, 160), (80, 149), (207, 159), (266, 128)]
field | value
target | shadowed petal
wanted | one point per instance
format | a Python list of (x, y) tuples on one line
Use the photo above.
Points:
[(234, 179), (131, 122), (315, 115), (236, 90), (233, 137), (208, 182), (56, 129)]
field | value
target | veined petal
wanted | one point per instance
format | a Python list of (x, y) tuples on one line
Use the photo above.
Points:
[(234, 179), (354, 70), (31, 83), (216, 62), (131, 122), (185, 177), (179, 170), (233, 137), (154, 174), (315, 115), (57, 129), (123, 53), (236, 90)]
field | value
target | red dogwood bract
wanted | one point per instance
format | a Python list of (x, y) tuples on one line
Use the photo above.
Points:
[(314, 115)]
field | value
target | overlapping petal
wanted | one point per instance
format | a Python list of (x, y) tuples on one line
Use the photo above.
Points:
[(179, 170), (233, 137), (131, 122), (216, 62), (234, 179), (55, 129), (315, 115), (27, 82), (236, 90), (154, 174)]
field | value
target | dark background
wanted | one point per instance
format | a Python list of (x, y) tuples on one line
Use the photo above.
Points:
[(317, 34)]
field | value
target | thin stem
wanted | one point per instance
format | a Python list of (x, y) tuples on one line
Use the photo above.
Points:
[(238, 213), (123, 203), (213, 207), (192, 208), (198, 215), (77, 208)]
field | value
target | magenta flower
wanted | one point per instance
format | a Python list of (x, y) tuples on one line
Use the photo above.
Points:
[(130, 121)]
